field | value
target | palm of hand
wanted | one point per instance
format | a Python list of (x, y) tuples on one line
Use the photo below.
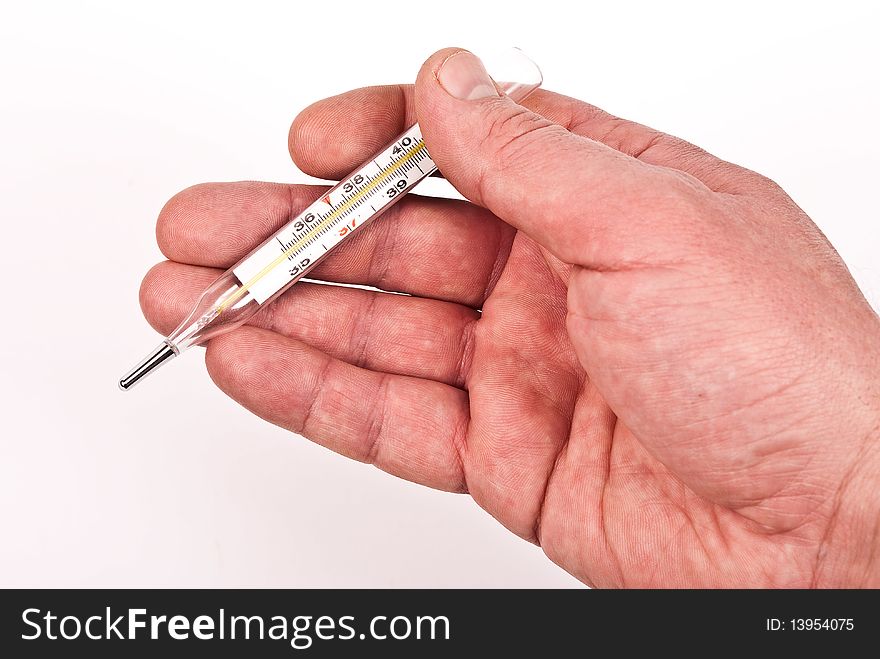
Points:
[(545, 454)]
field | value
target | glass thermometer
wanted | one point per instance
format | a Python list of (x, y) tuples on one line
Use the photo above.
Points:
[(297, 247)]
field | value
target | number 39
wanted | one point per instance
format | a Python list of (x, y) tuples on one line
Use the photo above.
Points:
[(295, 270), (395, 189)]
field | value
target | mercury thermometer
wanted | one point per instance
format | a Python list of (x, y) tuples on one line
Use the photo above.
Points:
[(296, 248)]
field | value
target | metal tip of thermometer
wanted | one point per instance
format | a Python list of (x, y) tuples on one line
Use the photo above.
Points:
[(149, 364)]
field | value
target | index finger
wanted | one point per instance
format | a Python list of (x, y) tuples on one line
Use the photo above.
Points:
[(331, 137)]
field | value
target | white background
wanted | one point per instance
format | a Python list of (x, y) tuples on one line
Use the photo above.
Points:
[(107, 109)]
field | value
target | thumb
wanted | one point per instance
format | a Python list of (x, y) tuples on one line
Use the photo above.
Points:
[(577, 197)]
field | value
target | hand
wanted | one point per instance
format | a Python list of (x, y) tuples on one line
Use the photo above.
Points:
[(645, 359)]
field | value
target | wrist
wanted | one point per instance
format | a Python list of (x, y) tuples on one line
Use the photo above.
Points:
[(849, 554)]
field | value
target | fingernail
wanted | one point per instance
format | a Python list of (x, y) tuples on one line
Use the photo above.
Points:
[(463, 76)]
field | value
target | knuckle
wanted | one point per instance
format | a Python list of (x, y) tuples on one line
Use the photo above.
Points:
[(660, 147), (512, 133), (616, 133), (765, 183), (513, 140), (753, 183)]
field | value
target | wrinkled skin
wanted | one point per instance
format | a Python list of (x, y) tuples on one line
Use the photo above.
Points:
[(672, 381)]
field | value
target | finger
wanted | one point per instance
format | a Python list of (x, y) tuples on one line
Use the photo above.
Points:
[(331, 137), (587, 203), (390, 333), (439, 248), (362, 121), (406, 426), (644, 143)]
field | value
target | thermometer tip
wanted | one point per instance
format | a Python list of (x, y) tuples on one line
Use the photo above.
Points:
[(146, 366)]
